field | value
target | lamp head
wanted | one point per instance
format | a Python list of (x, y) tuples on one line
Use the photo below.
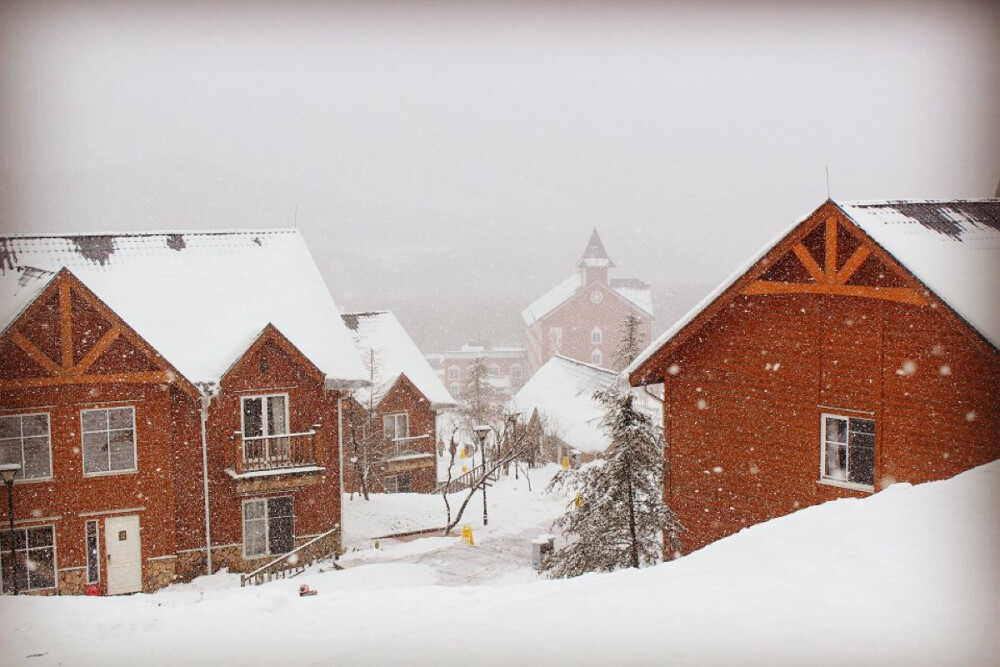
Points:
[(481, 432), (8, 471)]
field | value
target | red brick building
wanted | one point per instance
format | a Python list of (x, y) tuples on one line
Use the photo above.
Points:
[(399, 409), (581, 317), (859, 350), (506, 367), (171, 409)]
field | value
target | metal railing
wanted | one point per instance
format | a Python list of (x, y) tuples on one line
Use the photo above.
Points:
[(297, 560), (274, 452), (402, 446), (466, 480)]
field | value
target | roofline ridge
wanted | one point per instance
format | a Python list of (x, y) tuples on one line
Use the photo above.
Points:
[(161, 232)]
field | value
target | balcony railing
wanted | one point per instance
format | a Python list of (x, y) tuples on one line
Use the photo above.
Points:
[(275, 452), (402, 446)]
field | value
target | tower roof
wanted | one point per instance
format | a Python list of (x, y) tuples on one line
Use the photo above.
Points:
[(595, 255)]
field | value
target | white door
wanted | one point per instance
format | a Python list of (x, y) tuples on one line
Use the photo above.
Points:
[(124, 553)]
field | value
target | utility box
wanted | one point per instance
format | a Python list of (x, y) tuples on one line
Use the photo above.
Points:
[(541, 546)]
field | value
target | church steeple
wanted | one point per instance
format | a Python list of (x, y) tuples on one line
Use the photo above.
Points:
[(595, 262), (595, 255)]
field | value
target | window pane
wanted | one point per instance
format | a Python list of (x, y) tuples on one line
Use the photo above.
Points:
[(836, 429), (35, 425), (95, 452), (10, 427), (862, 464), (254, 538), (120, 418), (10, 451), (93, 553), (863, 425), (36, 458), (122, 445), (41, 568), (253, 424), (836, 461), (253, 510), (388, 428), (278, 507), (403, 483), (95, 420), (402, 426), (276, 415), (40, 537), (280, 525)]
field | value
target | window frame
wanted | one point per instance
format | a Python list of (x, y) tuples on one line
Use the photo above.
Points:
[(596, 336), (267, 525), (88, 552), (264, 421), (846, 483), (135, 443), (48, 434), (395, 417), (5, 556), (597, 358), (395, 486)]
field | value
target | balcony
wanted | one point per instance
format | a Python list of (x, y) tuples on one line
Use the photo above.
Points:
[(408, 447), (275, 452)]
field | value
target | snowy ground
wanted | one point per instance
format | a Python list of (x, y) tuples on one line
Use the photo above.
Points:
[(908, 575)]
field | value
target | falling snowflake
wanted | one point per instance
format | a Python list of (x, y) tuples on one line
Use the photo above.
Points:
[(674, 369), (909, 367), (970, 416), (945, 370), (702, 404)]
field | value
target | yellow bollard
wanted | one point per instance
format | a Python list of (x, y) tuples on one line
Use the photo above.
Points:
[(467, 535), (565, 462), (578, 501)]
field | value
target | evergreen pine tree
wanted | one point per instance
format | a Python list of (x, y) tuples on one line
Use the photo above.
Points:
[(619, 518)]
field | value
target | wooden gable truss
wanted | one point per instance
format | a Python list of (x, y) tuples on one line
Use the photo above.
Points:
[(74, 356)]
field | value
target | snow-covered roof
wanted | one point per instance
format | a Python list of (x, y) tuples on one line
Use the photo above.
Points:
[(380, 338), (952, 247), (562, 390), (199, 298), (632, 290)]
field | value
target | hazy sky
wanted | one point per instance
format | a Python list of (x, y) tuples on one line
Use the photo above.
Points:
[(448, 160)]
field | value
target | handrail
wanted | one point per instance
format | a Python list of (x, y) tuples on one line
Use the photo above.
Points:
[(277, 435), (410, 437), (264, 570)]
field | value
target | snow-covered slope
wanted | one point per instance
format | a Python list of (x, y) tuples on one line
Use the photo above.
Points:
[(906, 576)]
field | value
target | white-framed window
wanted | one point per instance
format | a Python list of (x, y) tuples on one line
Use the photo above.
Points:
[(268, 526), (494, 370), (596, 358), (454, 389), (399, 483), (26, 439), (847, 454), (264, 415), (396, 427), (454, 373), (516, 373), (93, 548), (596, 337), (108, 440), (34, 558)]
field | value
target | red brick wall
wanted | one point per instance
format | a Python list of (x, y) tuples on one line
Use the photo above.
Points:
[(403, 397), (316, 506), (576, 319), (742, 415)]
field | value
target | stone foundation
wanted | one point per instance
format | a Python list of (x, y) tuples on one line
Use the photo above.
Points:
[(158, 574)]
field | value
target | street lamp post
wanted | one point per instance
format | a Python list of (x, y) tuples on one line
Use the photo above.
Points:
[(481, 432), (9, 472), (511, 437)]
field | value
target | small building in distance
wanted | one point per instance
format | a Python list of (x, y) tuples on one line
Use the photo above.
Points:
[(397, 413), (172, 400), (506, 366), (557, 403), (582, 316), (858, 350)]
